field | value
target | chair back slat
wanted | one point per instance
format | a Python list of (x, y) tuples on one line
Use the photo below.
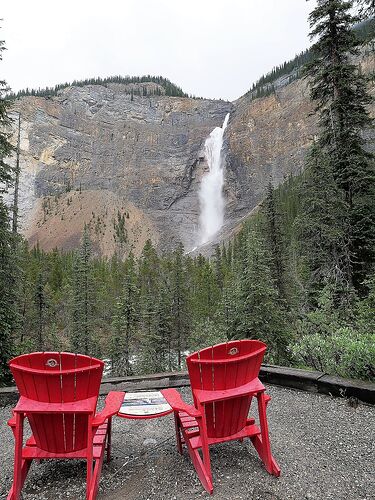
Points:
[(220, 408), (226, 366), (55, 430), (194, 370), (231, 406), (87, 385), (58, 378), (68, 393), (207, 381)]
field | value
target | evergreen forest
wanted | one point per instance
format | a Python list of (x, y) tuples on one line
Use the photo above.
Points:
[(138, 89), (299, 275)]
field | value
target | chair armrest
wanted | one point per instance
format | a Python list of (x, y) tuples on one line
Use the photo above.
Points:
[(113, 404), (178, 404), (248, 389), (26, 405)]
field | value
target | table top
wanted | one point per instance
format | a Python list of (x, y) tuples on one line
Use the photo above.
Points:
[(144, 404)]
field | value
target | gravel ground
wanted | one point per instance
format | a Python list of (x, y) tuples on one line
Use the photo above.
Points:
[(325, 449)]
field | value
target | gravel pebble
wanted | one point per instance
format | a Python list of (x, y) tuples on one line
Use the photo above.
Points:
[(325, 449)]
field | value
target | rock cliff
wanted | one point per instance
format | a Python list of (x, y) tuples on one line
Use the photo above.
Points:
[(267, 139), (129, 166)]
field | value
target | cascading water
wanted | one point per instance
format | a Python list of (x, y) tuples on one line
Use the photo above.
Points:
[(211, 197)]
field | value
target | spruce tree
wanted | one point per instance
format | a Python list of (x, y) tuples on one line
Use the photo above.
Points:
[(125, 321), (151, 359), (260, 314), (367, 8), (229, 313), (339, 91), (219, 266), (83, 300), (8, 287), (180, 316), (275, 243), (322, 226), (205, 293), (6, 171), (40, 303), (169, 340), (8, 244)]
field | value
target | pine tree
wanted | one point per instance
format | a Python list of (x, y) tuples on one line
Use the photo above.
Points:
[(180, 317), (205, 293), (229, 313), (366, 309), (40, 302), (275, 242), (322, 227), (219, 263), (56, 273), (339, 90), (8, 287), (151, 358), (8, 244), (16, 178), (6, 171), (169, 340), (125, 321), (83, 300), (260, 314)]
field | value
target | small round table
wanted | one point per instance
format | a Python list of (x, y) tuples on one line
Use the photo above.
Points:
[(144, 404)]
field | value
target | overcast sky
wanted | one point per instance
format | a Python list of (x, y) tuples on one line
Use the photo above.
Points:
[(211, 48)]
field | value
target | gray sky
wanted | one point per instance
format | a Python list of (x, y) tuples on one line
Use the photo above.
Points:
[(211, 48)]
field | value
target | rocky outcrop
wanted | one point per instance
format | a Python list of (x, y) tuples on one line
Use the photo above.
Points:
[(267, 139), (129, 166)]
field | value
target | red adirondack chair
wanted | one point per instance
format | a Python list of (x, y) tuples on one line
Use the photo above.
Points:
[(58, 395), (224, 379)]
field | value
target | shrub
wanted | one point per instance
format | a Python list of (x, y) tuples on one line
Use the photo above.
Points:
[(346, 353)]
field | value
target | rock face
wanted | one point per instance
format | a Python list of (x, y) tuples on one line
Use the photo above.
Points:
[(129, 167), (267, 140)]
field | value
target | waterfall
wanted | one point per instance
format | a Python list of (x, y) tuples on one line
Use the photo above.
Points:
[(211, 197)]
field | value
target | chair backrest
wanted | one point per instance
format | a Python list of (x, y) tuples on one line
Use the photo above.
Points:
[(226, 366), (58, 378)]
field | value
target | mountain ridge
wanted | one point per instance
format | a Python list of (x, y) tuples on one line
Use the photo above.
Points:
[(140, 158)]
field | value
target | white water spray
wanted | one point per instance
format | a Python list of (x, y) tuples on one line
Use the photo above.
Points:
[(211, 197)]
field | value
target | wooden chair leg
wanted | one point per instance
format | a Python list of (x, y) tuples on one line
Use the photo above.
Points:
[(18, 473), (94, 486), (109, 439), (207, 464), (24, 470), (202, 466), (89, 458), (262, 444), (178, 433)]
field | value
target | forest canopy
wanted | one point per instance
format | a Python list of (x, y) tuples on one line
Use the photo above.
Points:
[(300, 275)]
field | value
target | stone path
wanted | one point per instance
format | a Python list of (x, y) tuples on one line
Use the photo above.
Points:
[(325, 448)]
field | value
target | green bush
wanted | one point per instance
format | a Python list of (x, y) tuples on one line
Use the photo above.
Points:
[(346, 353)]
